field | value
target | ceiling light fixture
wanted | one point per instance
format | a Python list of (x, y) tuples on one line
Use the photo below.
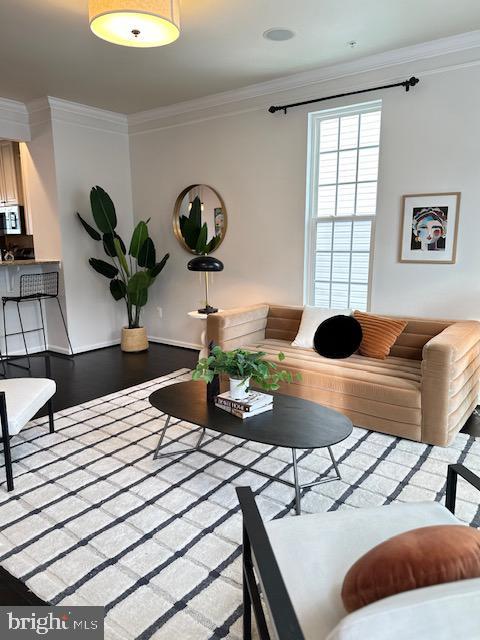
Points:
[(135, 23), (278, 34)]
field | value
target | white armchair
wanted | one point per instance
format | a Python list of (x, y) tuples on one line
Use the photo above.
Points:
[(20, 399), (300, 563)]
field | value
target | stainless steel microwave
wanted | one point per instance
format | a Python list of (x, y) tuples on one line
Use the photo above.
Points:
[(12, 220)]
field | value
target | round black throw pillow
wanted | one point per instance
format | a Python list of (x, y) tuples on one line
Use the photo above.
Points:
[(338, 337)]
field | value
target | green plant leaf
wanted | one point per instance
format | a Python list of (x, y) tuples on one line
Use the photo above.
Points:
[(190, 226), (103, 210), (119, 250), (139, 236), (137, 288), (159, 266), (212, 245), (146, 255), (190, 234), (202, 240), (181, 222), (118, 289), (93, 233), (104, 268), (109, 245), (196, 212)]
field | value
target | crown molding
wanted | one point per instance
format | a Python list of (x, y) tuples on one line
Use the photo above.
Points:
[(56, 109), (38, 111), (405, 55), (85, 115), (13, 110), (14, 122)]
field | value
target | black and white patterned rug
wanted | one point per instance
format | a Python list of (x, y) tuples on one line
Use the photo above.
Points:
[(95, 520)]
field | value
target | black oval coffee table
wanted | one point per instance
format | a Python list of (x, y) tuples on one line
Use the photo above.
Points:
[(293, 423)]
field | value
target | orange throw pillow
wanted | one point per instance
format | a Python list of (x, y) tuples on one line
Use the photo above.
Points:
[(419, 558), (379, 334)]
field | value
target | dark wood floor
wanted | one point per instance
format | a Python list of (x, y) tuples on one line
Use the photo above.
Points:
[(85, 377), (97, 373)]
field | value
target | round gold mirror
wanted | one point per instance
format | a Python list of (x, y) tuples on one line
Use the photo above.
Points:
[(200, 219)]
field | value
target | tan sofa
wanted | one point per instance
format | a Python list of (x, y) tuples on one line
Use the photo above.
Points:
[(425, 390)]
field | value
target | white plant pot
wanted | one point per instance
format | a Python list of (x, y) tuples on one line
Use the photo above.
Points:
[(239, 388)]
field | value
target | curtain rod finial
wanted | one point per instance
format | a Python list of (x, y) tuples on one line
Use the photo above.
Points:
[(411, 82)]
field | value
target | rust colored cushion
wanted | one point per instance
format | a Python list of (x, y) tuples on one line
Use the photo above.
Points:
[(419, 558), (379, 334)]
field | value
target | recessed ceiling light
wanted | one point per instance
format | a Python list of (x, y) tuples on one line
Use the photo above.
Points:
[(278, 34)]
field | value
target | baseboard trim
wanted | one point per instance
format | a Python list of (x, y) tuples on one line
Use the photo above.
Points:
[(176, 343), (83, 348), (21, 352), (54, 348), (112, 343)]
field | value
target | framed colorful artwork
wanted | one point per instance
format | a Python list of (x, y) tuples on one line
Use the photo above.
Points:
[(430, 226)]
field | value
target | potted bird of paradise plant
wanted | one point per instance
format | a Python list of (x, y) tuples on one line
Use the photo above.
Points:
[(131, 273)]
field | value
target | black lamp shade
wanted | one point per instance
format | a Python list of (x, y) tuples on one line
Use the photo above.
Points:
[(205, 263)]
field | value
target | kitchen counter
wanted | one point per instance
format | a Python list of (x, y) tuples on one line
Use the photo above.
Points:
[(24, 263)]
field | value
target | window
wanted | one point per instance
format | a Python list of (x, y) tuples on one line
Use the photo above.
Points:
[(341, 205)]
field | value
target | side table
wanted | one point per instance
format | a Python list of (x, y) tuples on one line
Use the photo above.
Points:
[(203, 337)]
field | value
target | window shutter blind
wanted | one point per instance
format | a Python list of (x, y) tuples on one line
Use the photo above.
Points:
[(345, 146)]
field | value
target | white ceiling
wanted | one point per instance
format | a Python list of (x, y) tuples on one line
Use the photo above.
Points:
[(46, 47)]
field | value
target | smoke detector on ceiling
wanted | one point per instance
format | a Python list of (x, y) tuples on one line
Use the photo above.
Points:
[(278, 34)]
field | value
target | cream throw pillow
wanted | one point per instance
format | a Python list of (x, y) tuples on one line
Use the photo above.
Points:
[(311, 318)]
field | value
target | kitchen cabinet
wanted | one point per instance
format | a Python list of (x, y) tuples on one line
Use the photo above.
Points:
[(10, 174)]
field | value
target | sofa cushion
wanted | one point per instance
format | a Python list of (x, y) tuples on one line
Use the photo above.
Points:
[(441, 612), (338, 337), (314, 552), (312, 317), (379, 334), (24, 397), (419, 558)]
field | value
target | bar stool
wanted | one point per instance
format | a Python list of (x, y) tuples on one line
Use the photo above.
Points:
[(33, 287)]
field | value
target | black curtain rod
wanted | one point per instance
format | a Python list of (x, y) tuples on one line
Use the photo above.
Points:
[(411, 82)]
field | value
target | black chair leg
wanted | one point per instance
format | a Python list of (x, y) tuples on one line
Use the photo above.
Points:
[(65, 326), (43, 325), (247, 601), (4, 374), (50, 416), (5, 331), (23, 335), (6, 441)]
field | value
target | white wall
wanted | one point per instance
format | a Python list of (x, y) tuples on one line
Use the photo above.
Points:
[(39, 177), (249, 160), (257, 162), (86, 156), (430, 144)]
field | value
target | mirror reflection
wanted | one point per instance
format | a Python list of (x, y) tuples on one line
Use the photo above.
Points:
[(200, 219)]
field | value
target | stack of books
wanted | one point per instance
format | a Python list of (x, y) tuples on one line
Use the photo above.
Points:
[(253, 404)]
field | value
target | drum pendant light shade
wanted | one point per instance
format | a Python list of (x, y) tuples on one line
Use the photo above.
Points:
[(135, 23)]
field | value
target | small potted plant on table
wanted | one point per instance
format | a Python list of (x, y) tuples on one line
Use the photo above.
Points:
[(242, 368)]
